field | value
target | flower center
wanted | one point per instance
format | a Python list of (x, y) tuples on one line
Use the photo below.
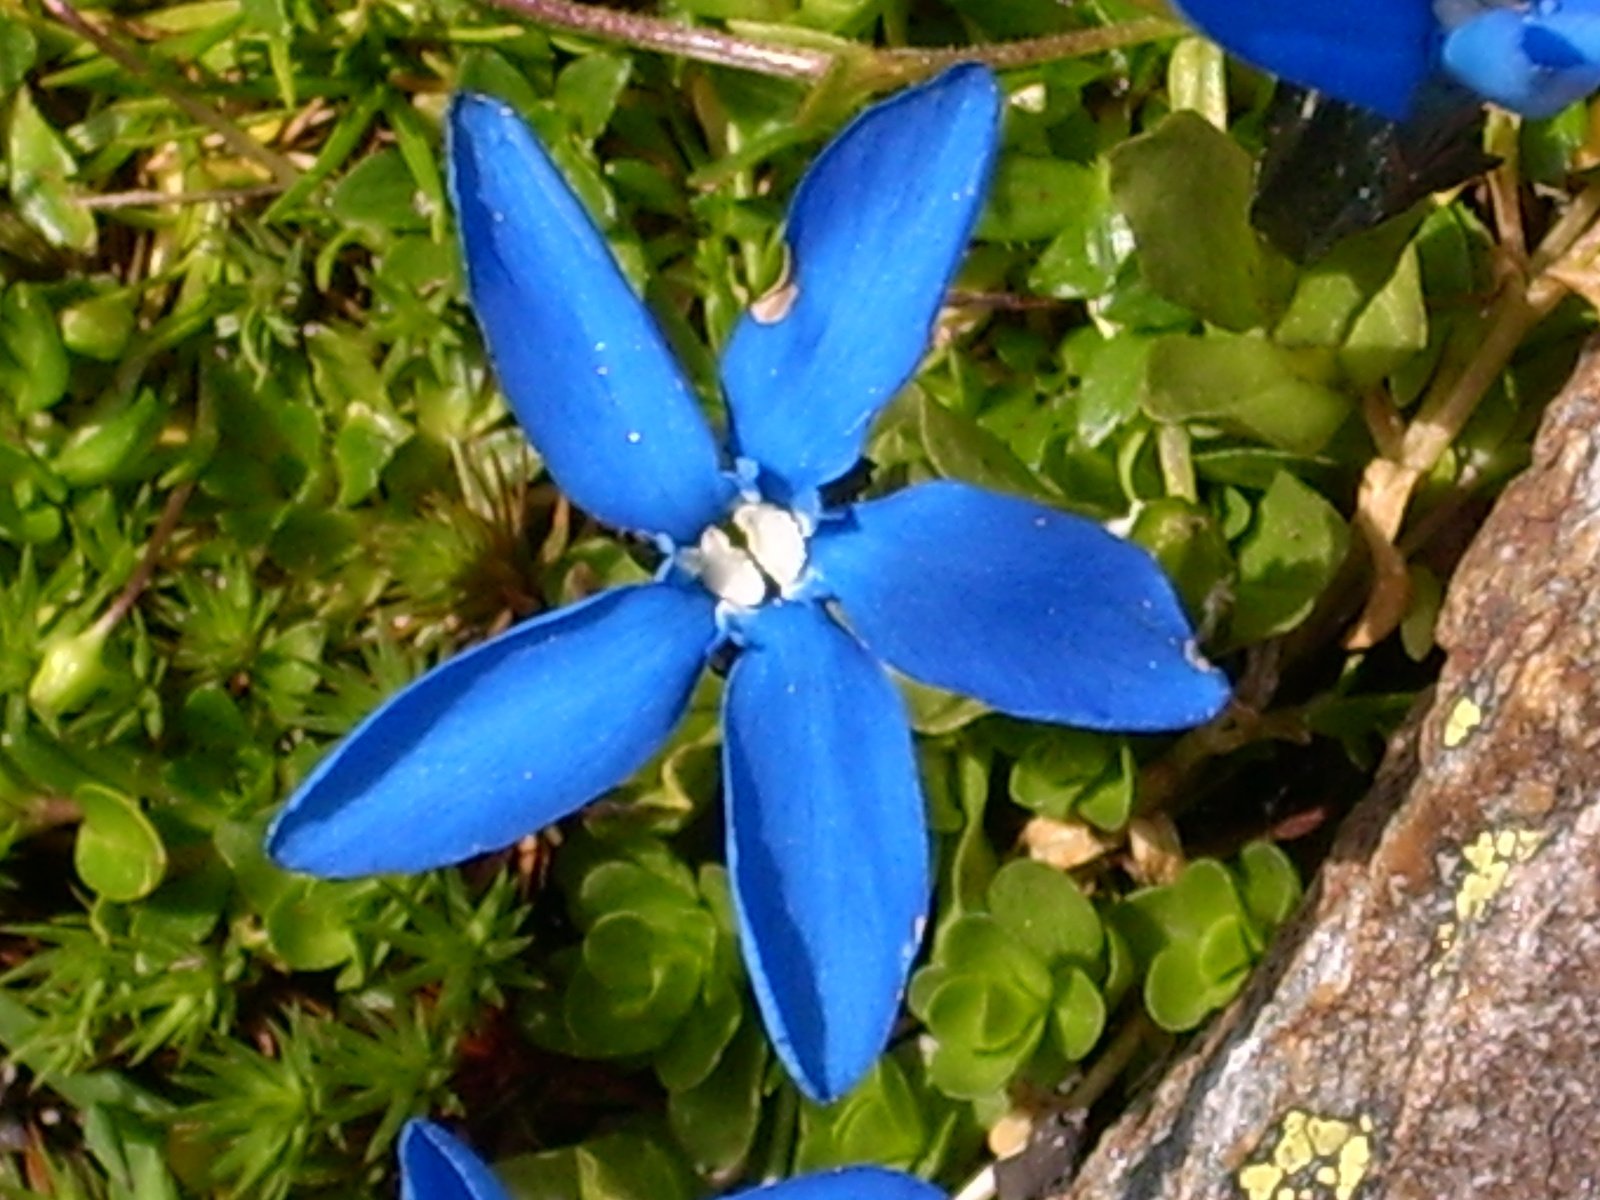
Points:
[(759, 554)]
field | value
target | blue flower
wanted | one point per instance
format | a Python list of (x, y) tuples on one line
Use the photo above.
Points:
[(434, 1165), (1033, 611), (1534, 58)]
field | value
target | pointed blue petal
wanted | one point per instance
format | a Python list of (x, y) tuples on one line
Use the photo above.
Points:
[(1375, 53), (1036, 612), (1534, 61), (500, 741), (827, 842), (876, 231), (436, 1166), (579, 358), (848, 1183)]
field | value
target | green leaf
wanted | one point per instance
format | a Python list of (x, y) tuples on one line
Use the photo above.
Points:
[(699, 1043), (1268, 882), (626, 1166), (1226, 951), (270, 18), (1285, 561), (72, 671), (366, 444), (1331, 293), (33, 363), (1201, 252), (983, 1014), (1392, 328), (309, 925), (40, 166), (1044, 910), (1188, 543), (379, 194), (1176, 992), (964, 1074), (118, 853), (1078, 1015), (960, 448), (112, 445), (1247, 384), (715, 1121), (1082, 260), (588, 88), (1035, 198), (18, 50), (1058, 767), (98, 327), (1107, 803), (880, 1121)]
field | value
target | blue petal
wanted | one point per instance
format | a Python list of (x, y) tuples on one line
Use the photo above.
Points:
[(1375, 53), (1534, 61), (849, 1183), (827, 842), (436, 1166), (1036, 612), (502, 740), (580, 359), (876, 231)]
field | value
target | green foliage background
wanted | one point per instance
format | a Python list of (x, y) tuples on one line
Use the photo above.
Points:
[(254, 476)]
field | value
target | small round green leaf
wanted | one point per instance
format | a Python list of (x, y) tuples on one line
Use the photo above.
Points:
[(1268, 881), (1176, 994), (1078, 1016), (118, 852), (1044, 910)]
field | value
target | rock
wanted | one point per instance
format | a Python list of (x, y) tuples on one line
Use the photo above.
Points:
[(1429, 1025)]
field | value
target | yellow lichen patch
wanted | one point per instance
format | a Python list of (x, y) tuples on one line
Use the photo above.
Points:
[(1463, 719), (1489, 858), (1309, 1157)]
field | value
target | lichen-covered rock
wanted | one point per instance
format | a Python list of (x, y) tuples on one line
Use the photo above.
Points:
[(1430, 1025)]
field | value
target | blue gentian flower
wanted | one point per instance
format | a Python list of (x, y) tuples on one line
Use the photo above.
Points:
[(435, 1165), (1534, 57), (1033, 611)]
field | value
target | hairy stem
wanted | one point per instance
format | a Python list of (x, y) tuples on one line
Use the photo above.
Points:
[(877, 68)]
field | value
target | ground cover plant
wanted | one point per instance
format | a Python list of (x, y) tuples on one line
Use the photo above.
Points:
[(255, 476)]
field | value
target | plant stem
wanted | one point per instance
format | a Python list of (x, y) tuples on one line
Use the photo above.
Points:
[(879, 68), (166, 524)]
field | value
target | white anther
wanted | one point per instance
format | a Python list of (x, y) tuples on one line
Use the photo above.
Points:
[(728, 572), (775, 539)]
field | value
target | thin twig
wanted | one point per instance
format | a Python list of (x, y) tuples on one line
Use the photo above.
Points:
[(1111, 1063), (151, 198), (671, 37), (281, 169), (880, 68), (140, 579)]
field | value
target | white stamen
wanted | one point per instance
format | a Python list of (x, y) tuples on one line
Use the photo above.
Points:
[(727, 571), (764, 557), (775, 539)]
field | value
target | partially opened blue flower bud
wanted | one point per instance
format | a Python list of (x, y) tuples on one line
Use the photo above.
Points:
[(1034, 611), (434, 1165), (1533, 58), (1375, 53)]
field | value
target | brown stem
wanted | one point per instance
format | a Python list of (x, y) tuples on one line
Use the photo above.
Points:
[(1108, 1068), (140, 579), (878, 68), (141, 198), (671, 37)]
